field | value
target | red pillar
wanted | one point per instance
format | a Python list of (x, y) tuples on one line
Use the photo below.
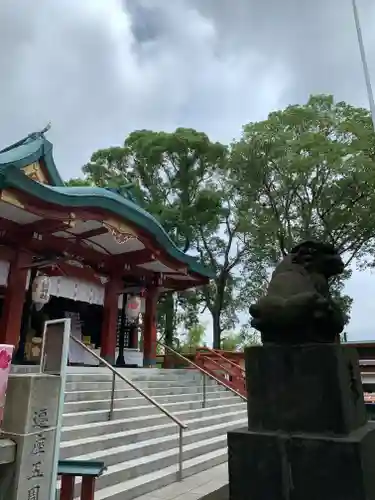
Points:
[(67, 488), (149, 328), (109, 323), (11, 318), (88, 488)]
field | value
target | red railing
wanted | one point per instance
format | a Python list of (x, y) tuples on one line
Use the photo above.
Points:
[(226, 370)]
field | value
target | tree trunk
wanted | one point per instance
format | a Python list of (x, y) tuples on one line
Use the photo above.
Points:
[(216, 330)]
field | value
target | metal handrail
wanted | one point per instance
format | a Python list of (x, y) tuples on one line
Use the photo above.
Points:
[(151, 400), (202, 370)]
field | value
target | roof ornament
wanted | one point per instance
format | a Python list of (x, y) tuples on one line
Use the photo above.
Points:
[(31, 137), (38, 135)]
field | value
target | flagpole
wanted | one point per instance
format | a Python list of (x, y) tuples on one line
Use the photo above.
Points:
[(366, 72)]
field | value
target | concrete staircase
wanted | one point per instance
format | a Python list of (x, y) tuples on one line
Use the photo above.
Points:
[(140, 444)]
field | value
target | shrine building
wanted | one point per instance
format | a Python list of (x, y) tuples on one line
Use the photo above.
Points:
[(96, 248)]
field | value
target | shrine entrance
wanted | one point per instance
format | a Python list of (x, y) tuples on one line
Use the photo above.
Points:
[(94, 249)]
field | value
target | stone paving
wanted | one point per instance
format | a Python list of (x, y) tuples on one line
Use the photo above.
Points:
[(193, 487)]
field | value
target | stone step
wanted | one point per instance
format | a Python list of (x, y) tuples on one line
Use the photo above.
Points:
[(136, 467), (104, 404), (104, 375), (74, 447), (147, 483), (149, 384), (133, 444), (123, 393), (191, 417), (140, 445), (82, 417)]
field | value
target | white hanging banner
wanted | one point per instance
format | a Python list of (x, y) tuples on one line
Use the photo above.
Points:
[(63, 286), (70, 288)]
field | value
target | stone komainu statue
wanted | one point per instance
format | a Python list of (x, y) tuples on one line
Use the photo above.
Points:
[(298, 307)]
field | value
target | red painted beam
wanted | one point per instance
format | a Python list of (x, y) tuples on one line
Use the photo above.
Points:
[(52, 245), (102, 263), (46, 226), (133, 258), (49, 211), (39, 207), (71, 271), (73, 248), (91, 234), (52, 226), (42, 209)]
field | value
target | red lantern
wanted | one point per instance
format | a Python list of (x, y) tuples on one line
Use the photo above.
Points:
[(133, 307)]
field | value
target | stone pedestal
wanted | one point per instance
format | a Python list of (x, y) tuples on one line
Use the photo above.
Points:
[(307, 436), (30, 420)]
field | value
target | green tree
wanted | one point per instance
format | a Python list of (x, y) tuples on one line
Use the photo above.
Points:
[(307, 172), (249, 336), (78, 182), (193, 338), (231, 341), (225, 250), (178, 177)]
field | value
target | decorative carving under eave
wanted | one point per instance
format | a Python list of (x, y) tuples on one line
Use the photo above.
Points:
[(35, 172), (120, 232), (9, 197), (72, 221)]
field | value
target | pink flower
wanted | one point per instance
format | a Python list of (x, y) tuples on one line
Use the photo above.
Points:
[(5, 359)]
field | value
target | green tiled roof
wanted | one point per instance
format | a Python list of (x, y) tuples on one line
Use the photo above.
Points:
[(35, 147), (31, 149)]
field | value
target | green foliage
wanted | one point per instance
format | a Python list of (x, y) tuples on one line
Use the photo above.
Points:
[(171, 173), (179, 178), (225, 250), (194, 338), (307, 172), (249, 336), (77, 182), (231, 341)]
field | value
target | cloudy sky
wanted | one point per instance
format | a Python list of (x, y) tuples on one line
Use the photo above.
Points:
[(98, 69)]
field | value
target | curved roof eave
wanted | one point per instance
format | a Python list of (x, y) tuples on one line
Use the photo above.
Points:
[(95, 197), (30, 150)]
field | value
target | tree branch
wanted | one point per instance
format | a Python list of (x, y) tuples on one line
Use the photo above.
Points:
[(206, 247)]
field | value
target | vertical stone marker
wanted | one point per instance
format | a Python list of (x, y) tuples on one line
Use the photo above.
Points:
[(307, 437), (30, 419)]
